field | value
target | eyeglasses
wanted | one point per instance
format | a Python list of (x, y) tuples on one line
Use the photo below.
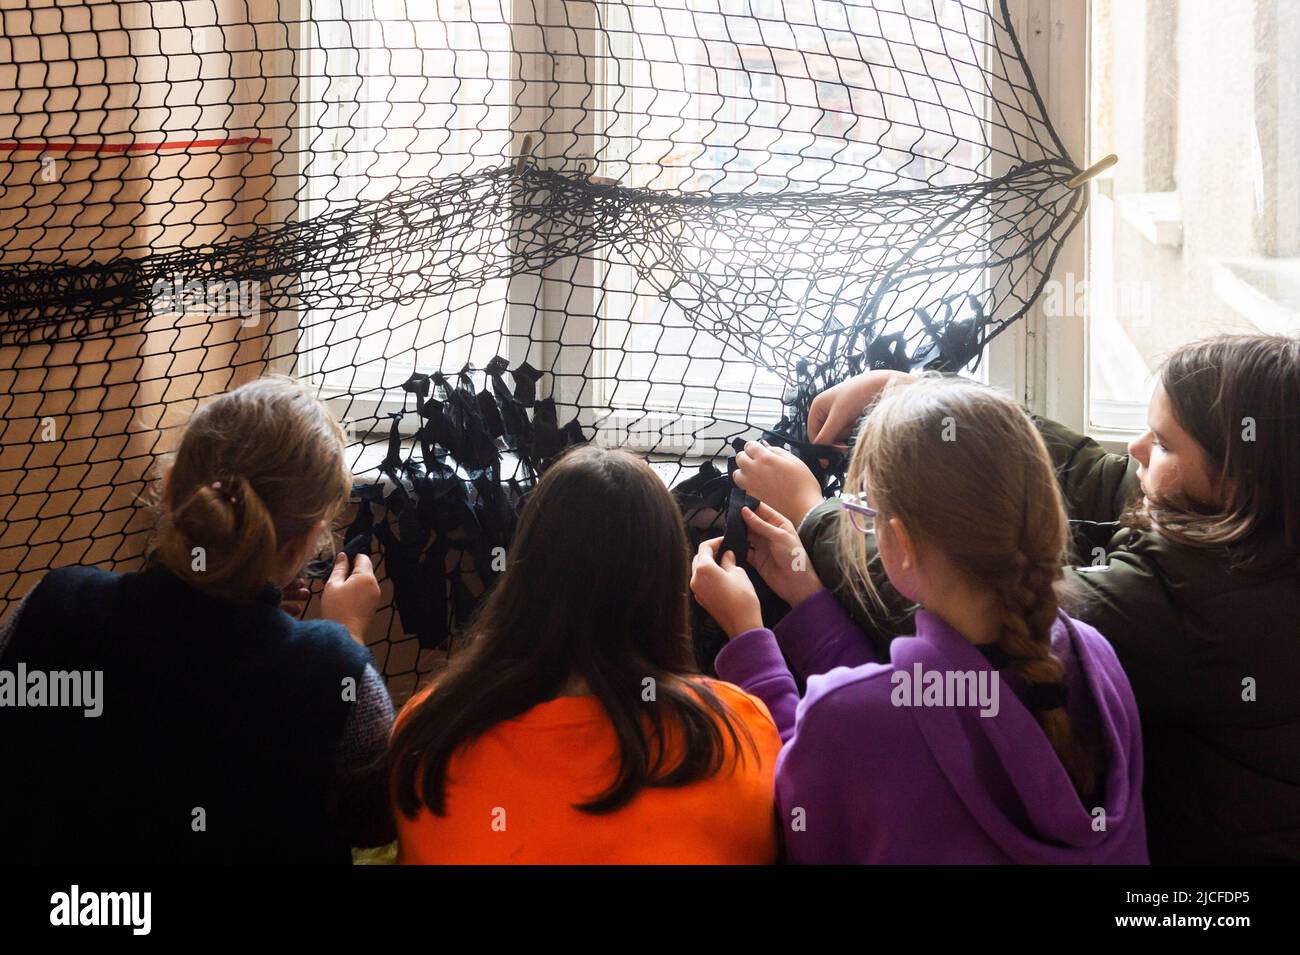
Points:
[(860, 512)]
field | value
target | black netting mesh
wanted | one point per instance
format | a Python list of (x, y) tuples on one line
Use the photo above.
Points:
[(663, 225)]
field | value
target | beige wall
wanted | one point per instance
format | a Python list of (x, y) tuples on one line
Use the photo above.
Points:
[(76, 74)]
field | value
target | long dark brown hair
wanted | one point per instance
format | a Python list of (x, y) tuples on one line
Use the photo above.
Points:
[(1238, 397), (595, 587)]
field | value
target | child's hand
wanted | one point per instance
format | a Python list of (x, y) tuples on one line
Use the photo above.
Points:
[(779, 555), (837, 409), (724, 590), (778, 478), (294, 597), (351, 599)]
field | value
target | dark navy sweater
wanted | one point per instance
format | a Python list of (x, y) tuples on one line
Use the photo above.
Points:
[(218, 736)]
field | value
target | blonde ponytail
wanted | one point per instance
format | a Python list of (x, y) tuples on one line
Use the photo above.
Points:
[(257, 469), (221, 540)]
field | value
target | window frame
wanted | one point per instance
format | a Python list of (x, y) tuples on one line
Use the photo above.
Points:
[(1043, 359), (1157, 216)]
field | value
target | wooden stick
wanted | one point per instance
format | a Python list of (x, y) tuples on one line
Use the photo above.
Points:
[(1092, 171), (524, 153)]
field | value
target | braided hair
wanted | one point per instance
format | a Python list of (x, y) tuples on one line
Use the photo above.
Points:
[(962, 467)]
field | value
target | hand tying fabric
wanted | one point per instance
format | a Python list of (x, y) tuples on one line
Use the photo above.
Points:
[(835, 412), (351, 598), (724, 589), (778, 555), (777, 478)]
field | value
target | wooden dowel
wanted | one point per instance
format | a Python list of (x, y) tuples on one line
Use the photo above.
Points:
[(1096, 169), (524, 153)]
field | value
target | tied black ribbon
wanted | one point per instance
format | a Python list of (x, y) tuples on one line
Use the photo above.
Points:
[(358, 535), (1046, 696), (449, 502), (1038, 696), (735, 536)]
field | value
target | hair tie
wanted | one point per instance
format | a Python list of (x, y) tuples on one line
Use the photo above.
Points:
[(1046, 696), (216, 486), (997, 657)]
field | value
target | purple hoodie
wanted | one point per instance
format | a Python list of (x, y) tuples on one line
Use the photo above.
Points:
[(865, 776)]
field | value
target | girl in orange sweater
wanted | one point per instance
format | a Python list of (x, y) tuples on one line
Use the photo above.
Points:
[(575, 727)]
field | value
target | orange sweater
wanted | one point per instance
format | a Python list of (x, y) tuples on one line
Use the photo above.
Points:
[(511, 796)]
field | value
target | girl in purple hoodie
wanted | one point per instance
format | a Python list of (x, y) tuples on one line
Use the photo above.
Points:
[(1004, 731)]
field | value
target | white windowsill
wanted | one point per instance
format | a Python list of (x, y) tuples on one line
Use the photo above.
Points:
[(1157, 216), (1264, 291)]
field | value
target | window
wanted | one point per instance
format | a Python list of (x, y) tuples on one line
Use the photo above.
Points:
[(777, 96), (771, 108), (1197, 230), (381, 91)]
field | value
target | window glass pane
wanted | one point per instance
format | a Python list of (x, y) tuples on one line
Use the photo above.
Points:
[(1197, 230), (773, 97), (386, 106)]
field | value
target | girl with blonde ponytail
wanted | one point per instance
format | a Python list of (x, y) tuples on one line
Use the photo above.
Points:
[(1004, 730), (227, 729)]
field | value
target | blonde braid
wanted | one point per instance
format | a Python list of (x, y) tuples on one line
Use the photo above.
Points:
[(1029, 608)]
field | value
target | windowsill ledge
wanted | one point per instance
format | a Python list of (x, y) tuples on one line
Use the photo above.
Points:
[(1264, 291), (1157, 216)]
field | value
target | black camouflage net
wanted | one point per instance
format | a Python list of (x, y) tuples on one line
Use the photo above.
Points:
[(484, 231)]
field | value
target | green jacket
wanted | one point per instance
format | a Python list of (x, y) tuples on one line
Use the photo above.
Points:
[(1197, 636)]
